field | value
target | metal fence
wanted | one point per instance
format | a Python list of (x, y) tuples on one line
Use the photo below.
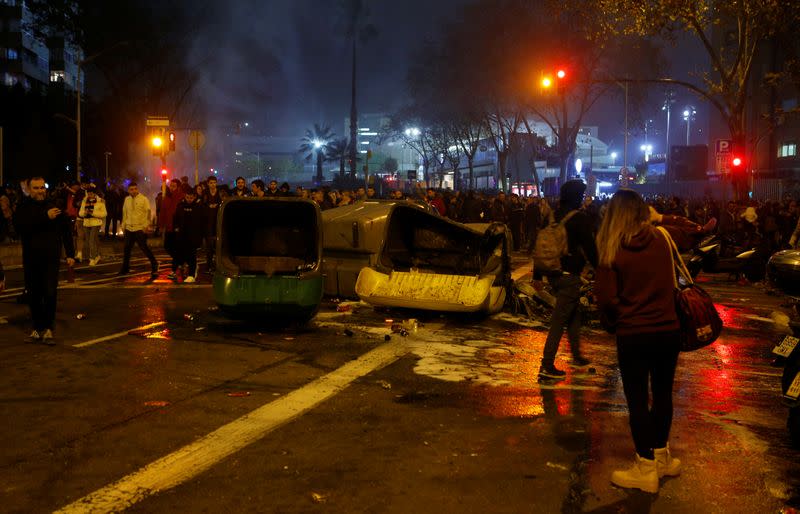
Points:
[(762, 189)]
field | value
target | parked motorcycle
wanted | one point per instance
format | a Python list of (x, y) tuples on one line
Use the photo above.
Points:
[(788, 353), (724, 254)]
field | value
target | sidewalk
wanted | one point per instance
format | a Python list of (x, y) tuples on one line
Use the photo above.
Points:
[(11, 253)]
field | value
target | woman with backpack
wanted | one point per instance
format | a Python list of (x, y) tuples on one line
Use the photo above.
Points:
[(634, 288)]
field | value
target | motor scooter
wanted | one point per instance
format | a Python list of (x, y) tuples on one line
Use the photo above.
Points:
[(788, 353), (723, 254)]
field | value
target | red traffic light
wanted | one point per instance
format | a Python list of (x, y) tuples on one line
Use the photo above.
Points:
[(561, 74), (163, 172), (736, 162), (172, 136)]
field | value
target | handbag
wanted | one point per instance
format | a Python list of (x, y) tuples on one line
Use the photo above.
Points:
[(699, 319)]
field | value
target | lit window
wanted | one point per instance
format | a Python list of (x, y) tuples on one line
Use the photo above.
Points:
[(12, 54), (9, 79), (56, 76), (787, 150)]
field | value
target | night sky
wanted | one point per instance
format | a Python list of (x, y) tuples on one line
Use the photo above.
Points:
[(284, 65)]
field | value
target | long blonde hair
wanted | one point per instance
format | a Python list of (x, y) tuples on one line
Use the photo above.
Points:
[(624, 218)]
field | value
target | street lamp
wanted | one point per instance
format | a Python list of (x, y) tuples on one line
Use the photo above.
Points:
[(688, 116), (412, 132), (648, 150), (613, 158)]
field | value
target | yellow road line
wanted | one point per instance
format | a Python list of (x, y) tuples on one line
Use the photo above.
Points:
[(118, 334), (193, 459)]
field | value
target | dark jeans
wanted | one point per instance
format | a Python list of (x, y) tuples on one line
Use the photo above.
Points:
[(111, 222), (566, 314), (649, 358), (41, 283), (211, 252), (170, 246), (140, 239), (186, 254)]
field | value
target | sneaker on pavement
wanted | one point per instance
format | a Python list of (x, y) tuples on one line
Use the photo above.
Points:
[(34, 337), (47, 338), (551, 372), (189, 279), (579, 362)]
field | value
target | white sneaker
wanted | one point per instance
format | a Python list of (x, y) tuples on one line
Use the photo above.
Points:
[(188, 280)]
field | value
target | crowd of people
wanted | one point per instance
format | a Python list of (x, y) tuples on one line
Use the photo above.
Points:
[(615, 237)]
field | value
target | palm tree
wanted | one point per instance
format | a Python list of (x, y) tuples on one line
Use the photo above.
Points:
[(315, 144), (355, 16), (338, 151)]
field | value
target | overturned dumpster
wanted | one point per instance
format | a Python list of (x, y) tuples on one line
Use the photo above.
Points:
[(269, 255), (398, 254)]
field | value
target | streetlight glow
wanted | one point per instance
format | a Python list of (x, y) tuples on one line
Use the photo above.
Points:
[(547, 82), (317, 143)]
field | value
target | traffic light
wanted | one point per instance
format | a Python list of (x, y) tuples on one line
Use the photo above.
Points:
[(547, 82), (157, 144), (163, 174), (736, 164), (172, 141)]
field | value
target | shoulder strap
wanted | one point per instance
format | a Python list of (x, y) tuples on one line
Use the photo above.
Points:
[(678, 266)]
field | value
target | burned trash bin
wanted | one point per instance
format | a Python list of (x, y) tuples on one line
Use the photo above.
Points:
[(402, 255), (269, 255)]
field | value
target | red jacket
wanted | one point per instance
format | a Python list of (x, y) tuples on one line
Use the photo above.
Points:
[(166, 216), (636, 294)]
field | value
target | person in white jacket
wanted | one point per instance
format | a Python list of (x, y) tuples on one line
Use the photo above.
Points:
[(93, 212)]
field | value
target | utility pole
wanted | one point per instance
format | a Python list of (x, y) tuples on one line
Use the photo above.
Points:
[(107, 153)]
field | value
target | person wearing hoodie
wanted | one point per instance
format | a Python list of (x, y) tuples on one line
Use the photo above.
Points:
[(634, 288), (190, 227), (93, 213), (166, 218), (567, 282)]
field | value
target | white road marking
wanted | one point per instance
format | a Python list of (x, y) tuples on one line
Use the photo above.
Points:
[(118, 334), (193, 459)]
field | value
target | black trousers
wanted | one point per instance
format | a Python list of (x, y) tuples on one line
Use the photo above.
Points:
[(140, 239), (649, 359), (186, 254), (41, 283)]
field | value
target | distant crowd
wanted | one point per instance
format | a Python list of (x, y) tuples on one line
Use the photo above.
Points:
[(772, 223)]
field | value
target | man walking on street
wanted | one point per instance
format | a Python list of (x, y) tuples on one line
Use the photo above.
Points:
[(43, 229), (566, 282), (135, 219)]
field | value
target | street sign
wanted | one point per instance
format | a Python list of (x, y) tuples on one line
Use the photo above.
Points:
[(624, 180), (196, 139), (157, 121), (591, 184), (722, 151)]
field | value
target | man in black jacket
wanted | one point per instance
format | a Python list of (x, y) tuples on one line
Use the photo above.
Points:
[(566, 284), (43, 228), (190, 223)]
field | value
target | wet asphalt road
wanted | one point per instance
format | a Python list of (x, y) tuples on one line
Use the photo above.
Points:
[(199, 414)]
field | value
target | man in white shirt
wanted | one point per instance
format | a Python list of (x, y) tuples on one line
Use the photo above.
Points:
[(135, 219)]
